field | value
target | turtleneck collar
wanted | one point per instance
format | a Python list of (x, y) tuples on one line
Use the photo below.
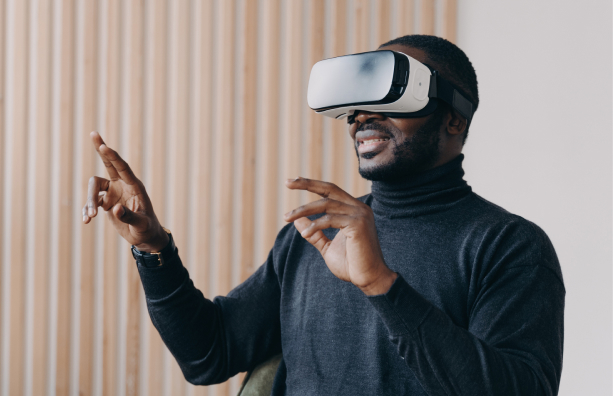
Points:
[(423, 193)]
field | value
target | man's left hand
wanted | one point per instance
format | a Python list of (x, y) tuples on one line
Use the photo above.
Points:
[(354, 255)]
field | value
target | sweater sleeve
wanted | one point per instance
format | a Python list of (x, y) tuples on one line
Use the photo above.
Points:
[(214, 340), (514, 341)]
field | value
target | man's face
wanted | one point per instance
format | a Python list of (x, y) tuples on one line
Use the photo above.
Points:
[(410, 145)]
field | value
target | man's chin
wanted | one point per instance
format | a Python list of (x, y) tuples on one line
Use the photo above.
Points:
[(396, 171), (378, 173)]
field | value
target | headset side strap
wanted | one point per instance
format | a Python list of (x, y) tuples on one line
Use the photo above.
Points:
[(442, 89)]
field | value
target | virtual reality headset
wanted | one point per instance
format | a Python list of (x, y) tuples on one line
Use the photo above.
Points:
[(387, 82)]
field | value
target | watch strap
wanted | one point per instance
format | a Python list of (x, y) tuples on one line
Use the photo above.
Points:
[(156, 259)]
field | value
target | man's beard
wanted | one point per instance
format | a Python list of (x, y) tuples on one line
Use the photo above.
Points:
[(418, 153)]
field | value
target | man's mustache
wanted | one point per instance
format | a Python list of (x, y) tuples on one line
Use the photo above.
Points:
[(375, 126)]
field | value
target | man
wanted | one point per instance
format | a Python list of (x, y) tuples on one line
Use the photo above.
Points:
[(421, 287)]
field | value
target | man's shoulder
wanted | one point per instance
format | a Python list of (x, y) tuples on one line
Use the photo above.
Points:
[(505, 235), (496, 214)]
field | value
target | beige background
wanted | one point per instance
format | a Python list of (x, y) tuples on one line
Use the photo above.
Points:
[(206, 102), (540, 147)]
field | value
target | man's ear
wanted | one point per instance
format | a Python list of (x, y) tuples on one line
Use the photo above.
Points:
[(456, 124)]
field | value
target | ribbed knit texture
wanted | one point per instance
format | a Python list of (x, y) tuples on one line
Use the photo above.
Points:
[(477, 308)]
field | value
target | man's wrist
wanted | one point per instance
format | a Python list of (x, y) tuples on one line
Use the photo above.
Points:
[(382, 285), (157, 257), (156, 245)]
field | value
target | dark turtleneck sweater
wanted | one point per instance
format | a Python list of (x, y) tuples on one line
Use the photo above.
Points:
[(477, 308)]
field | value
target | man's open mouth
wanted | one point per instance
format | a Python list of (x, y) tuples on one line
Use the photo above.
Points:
[(370, 145)]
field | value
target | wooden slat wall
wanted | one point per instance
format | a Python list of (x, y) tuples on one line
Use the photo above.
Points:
[(17, 117), (88, 63), (268, 127), (42, 188), (291, 107), (110, 130), (201, 153), (63, 155), (427, 17), (206, 100), (156, 163)]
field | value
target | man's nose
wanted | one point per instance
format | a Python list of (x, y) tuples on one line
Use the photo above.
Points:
[(365, 117)]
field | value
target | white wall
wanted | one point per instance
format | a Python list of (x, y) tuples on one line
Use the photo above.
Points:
[(540, 146)]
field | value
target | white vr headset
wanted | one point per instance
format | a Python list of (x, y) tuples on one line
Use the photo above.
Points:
[(387, 82)]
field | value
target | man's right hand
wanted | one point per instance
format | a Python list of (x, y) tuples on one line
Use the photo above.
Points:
[(125, 200)]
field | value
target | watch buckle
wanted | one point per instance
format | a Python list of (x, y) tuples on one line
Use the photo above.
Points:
[(160, 258)]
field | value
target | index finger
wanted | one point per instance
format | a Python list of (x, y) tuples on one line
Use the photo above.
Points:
[(120, 166), (98, 142), (321, 188)]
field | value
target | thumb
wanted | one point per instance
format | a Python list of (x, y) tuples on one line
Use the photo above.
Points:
[(301, 224), (318, 239), (125, 215)]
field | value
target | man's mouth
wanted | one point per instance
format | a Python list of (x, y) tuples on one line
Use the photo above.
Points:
[(372, 145)]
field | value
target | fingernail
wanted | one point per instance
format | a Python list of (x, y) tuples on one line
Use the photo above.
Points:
[(84, 218), (287, 214), (90, 212)]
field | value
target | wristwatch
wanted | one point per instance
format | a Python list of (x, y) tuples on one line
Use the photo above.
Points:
[(155, 259)]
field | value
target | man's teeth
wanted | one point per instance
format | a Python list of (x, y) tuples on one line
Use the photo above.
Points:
[(373, 141)]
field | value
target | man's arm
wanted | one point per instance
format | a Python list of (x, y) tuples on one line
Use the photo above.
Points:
[(514, 342), (214, 340), (211, 340)]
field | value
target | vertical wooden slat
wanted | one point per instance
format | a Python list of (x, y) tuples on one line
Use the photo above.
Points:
[(178, 123), (361, 26), (269, 122), (134, 157), (110, 387), (18, 96), (201, 148), (292, 109), (42, 192), (427, 17), (404, 17), (65, 209), (201, 152), (338, 129), (223, 88), (316, 121), (3, 151), (223, 156), (384, 32), (248, 81), (248, 131), (158, 162), (450, 11), (88, 166)]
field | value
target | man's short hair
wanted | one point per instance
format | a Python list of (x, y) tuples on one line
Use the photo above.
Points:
[(450, 61)]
